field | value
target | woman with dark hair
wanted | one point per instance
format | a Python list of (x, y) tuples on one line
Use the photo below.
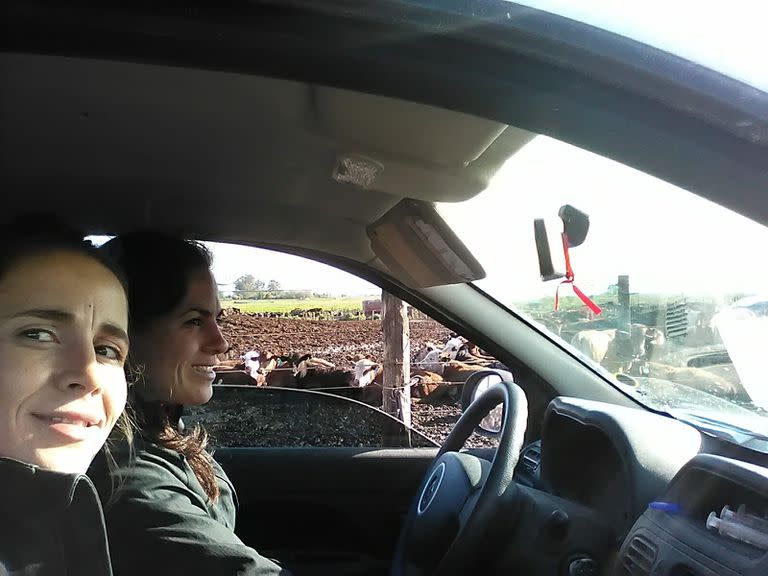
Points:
[(174, 510), (63, 344)]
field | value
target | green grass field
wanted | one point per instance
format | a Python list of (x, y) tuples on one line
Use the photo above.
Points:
[(332, 304)]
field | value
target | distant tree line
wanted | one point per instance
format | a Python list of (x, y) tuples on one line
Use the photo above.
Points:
[(248, 287)]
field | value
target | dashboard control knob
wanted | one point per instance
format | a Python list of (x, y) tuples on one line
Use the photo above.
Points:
[(558, 524), (582, 567)]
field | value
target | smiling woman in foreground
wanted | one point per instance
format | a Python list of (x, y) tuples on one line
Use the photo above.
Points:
[(63, 343), (174, 510)]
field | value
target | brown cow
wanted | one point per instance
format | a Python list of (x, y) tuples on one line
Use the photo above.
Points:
[(424, 384)]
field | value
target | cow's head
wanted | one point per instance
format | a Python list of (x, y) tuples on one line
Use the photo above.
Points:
[(366, 371), (646, 341), (301, 365), (654, 342), (452, 347), (431, 361), (268, 362), (637, 340), (252, 362)]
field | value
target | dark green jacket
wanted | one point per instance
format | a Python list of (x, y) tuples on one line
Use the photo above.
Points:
[(160, 521), (50, 523)]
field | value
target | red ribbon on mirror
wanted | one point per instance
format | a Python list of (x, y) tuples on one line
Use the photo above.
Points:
[(569, 280)]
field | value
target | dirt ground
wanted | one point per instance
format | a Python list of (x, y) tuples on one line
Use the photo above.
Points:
[(334, 340), (338, 341)]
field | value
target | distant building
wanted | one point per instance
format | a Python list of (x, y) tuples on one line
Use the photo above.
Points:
[(371, 307)]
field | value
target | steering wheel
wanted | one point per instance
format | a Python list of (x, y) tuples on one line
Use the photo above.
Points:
[(461, 494)]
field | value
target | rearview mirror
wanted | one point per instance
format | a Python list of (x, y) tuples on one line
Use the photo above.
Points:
[(575, 224), (575, 227), (475, 386)]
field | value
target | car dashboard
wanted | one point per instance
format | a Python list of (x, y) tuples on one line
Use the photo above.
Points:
[(628, 492)]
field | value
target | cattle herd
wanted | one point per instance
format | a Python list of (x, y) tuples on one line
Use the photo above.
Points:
[(436, 375), (645, 351), (627, 351), (345, 358), (332, 349)]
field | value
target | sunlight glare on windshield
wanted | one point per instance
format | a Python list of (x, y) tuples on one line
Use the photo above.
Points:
[(662, 262), (669, 240)]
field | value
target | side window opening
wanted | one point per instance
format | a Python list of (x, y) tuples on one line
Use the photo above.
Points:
[(285, 341)]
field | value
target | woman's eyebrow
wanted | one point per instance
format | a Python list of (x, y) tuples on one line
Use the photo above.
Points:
[(201, 311), (68, 318), (46, 314), (115, 331)]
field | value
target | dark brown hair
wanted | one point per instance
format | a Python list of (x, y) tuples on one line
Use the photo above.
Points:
[(158, 268), (34, 233)]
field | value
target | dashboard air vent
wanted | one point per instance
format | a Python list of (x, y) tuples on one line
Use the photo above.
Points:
[(639, 557), (531, 458)]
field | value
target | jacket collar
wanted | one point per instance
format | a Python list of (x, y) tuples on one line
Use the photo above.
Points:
[(36, 489)]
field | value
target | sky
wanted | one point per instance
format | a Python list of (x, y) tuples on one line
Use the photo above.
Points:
[(231, 261)]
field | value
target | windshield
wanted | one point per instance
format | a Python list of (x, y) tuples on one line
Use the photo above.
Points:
[(679, 279), (684, 29)]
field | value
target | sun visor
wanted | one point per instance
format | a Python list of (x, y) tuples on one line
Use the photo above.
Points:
[(420, 249)]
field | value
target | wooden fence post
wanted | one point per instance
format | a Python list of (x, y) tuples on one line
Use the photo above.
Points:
[(396, 395), (624, 323), (625, 310)]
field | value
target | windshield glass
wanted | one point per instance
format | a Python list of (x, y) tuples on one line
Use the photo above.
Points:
[(684, 295), (683, 29)]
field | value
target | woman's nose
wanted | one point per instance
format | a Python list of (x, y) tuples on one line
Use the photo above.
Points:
[(79, 369), (217, 343)]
